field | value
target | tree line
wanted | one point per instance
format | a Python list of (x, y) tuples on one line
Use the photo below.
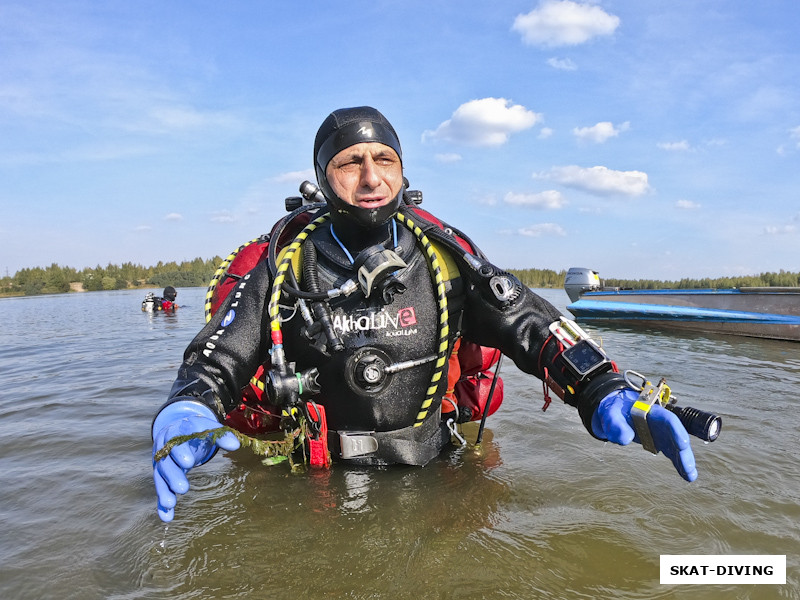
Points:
[(779, 279), (56, 279), (547, 278)]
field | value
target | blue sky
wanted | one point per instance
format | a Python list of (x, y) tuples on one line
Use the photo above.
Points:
[(641, 138)]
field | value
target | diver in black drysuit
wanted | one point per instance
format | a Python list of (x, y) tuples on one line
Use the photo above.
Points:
[(168, 301), (376, 369)]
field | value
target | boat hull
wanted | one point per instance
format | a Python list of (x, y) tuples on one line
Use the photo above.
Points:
[(757, 312)]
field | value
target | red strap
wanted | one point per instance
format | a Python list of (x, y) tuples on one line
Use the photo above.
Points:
[(548, 383), (546, 390), (319, 456)]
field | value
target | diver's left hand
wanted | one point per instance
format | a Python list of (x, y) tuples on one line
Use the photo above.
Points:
[(612, 421)]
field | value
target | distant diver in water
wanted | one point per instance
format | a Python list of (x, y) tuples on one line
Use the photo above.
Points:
[(166, 302)]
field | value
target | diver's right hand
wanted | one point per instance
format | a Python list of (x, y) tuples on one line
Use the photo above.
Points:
[(612, 421), (184, 417)]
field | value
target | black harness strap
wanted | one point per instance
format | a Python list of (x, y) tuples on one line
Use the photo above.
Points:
[(409, 446)]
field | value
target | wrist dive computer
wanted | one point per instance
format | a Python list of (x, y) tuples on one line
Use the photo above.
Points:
[(582, 356)]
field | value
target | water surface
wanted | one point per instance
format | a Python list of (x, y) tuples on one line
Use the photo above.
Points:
[(541, 510)]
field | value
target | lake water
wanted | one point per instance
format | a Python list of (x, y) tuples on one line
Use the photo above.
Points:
[(541, 510)]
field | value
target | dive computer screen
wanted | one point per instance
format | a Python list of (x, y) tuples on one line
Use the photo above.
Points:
[(584, 357)]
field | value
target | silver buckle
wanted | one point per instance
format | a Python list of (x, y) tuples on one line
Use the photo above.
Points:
[(640, 411), (357, 443)]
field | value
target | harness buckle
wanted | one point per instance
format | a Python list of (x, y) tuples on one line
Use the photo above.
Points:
[(357, 443)]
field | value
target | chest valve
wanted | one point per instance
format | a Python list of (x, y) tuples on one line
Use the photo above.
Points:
[(368, 370)]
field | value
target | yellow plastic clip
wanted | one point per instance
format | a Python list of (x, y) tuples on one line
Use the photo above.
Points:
[(292, 412), (567, 331), (663, 392)]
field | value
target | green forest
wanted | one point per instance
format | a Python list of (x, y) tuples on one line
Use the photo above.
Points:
[(56, 279)]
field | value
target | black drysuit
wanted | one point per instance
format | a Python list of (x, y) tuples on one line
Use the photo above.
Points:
[(485, 305)]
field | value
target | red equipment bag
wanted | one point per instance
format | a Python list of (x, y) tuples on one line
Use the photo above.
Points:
[(475, 381)]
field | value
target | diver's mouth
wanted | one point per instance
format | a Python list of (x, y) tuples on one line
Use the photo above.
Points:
[(373, 202)]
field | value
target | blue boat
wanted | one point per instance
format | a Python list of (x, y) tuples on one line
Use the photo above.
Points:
[(764, 312)]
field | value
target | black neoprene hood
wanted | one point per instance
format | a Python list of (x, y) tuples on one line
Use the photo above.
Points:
[(343, 128)]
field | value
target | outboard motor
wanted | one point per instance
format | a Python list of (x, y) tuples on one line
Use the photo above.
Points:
[(580, 280)]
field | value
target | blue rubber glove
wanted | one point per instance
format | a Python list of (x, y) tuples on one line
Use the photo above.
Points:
[(612, 421), (184, 417)]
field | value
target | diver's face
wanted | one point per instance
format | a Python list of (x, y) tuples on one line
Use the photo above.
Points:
[(367, 175)]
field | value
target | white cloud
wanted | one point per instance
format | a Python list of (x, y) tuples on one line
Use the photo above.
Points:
[(484, 122), (547, 199), (186, 117), (794, 133), (716, 142), (142, 228), (780, 230), (681, 146), (296, 176), (447, 158), (223, 216), (601, 181), (164, 119), (564, 23), (601, 132), (764, 100), (545, 133), (173, 217), (551, 229), (687, 205), (562, 64)]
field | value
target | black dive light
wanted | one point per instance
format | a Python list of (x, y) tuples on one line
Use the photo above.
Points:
[(699, 423), (311, 194)]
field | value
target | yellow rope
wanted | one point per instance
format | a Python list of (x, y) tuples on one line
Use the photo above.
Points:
[(444, 327)]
